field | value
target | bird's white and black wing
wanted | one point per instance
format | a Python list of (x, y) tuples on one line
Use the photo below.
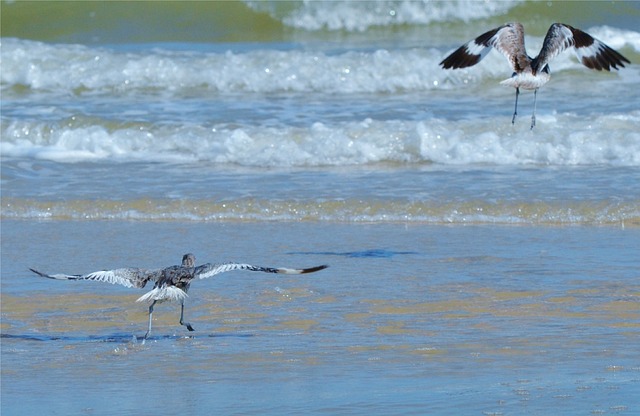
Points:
[(590, 51), (507, 39), (209, 269), (128, 277)]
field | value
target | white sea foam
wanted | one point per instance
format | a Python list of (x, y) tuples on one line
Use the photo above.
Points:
[(77, 68), (73, 103), (611, 139), (80, 70)]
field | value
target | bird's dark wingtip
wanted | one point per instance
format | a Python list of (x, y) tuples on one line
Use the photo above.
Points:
[(54, 277), (38, 273), (315, 269)]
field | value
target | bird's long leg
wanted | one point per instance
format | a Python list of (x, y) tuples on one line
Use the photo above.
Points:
[(515, 111), (182, 322), (533, 116), (150, 316)]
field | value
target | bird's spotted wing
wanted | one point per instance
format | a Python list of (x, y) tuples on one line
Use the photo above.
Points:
[(128, 277), (507, 39), (208, 270), (590, 51)]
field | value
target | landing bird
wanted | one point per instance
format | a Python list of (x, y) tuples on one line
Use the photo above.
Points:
[(171, 283), (532, 73)]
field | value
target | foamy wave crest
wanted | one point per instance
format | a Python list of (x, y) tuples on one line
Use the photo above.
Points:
[(80, 70), (557, 140), (360, 15)]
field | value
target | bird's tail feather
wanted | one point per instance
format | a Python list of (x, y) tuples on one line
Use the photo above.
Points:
[(163, 293)]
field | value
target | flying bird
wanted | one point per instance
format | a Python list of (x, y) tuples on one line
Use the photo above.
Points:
[(532, 73), (170, 283)]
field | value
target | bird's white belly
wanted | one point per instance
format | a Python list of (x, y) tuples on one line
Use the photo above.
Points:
[(527, 81)]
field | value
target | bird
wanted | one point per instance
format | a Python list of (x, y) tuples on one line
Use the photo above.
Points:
[(170, 283), (532, 73)]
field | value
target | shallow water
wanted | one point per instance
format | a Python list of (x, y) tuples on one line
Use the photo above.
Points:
[(476, 267), (408, 319)]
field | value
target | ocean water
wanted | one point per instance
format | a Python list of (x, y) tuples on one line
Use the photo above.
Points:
[(476, 267)]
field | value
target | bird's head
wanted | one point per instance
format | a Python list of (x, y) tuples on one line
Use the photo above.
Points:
[(188, 260)]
